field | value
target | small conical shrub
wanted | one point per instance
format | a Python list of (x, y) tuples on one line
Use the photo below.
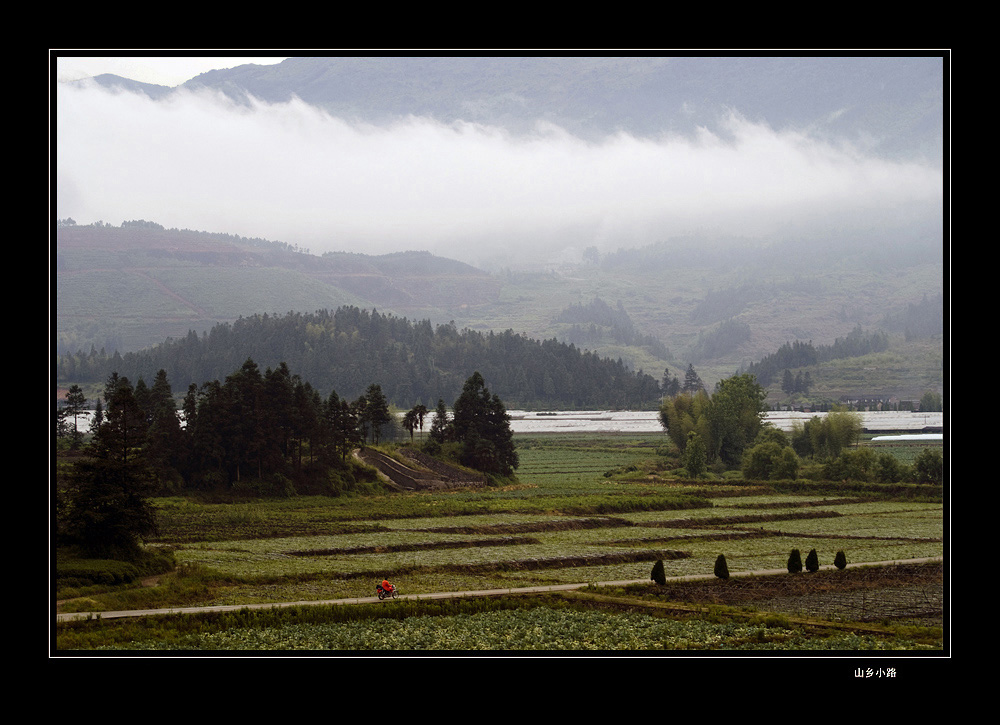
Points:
[(840, 561), (794, 562), (658, 574), (721, 568), (812, 561)]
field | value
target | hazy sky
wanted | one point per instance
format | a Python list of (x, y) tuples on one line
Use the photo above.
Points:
[(290, 172)]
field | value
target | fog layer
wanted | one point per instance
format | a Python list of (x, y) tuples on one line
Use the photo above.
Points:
[(290, 172)]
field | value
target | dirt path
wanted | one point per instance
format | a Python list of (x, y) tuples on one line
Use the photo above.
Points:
[(67, 617)]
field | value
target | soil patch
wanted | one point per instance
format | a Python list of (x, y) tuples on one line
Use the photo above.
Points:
[(902, 591)]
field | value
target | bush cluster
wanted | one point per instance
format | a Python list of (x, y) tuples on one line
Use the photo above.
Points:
[(76, 572), (866, 465), (812, 561)]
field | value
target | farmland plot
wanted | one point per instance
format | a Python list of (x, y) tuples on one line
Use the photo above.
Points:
[(513, 550), (564, 522), (529, 629)]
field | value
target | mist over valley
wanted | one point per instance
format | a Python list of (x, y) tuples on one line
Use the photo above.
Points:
[(663, 212)]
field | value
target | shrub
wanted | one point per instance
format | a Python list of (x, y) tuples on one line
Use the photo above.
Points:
[(860, 464), (929, 466), (812, 471), (721, 568), (658, 574), (89, 572), (812, 561), (72, 571), (759, 460), (273, 485), (794, 562), (769, 460), (890, 469), (840, 560)]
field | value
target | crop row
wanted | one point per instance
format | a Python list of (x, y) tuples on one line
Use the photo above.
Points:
[(869, 532), (528, 629)]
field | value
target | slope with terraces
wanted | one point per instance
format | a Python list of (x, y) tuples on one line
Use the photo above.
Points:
[(420, 472)]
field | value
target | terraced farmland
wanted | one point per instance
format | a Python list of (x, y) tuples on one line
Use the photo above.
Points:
[(584, 509)]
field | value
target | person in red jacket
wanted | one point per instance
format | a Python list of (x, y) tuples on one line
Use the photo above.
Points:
[(386, 586)]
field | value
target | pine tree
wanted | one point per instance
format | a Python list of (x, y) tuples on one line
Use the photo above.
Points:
[(76, 402), (98, 418), (721, 568), (120, 436), (840, 560), (359, 410), (658, 574), (164, 439), (794, 562), (692, 383), (440, 428), (376, 411), (108, 511), (341, 424), (482, 425), (812, 561), (671, 386), (787, 382), (244, 420)]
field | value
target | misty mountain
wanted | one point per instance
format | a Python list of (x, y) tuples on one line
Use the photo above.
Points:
[(116, 82), (514, 161), (731, 205), (121, 289), (882, 104), (125, 288)]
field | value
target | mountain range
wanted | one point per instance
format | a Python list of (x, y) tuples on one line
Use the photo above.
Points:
[(131, 287), (721, 302), (891, 104)]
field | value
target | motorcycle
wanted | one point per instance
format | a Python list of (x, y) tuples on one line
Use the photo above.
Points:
[(382, 593)]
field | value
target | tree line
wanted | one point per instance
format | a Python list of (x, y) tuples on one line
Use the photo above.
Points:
[(588, 323), (253, 433), (800, 354), (726, 429), (273, 426), (417, 362)]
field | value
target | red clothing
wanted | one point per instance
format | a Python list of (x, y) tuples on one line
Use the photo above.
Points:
[(386, 585)]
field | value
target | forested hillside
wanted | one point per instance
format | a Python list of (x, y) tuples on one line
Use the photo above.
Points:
[(414, 362), (596, 323), (130, 286), (122, 289), (805, 354)]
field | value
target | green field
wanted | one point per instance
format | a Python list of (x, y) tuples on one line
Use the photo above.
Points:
[(584, 509)]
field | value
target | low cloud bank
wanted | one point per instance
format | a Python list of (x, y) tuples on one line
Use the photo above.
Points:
[(293, 173)]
